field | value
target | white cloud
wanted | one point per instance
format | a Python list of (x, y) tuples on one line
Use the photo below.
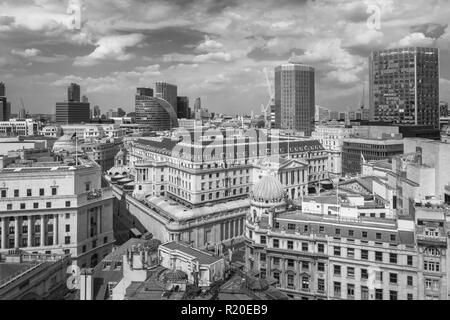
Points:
[(414, 39), (27, 53), (111, 48)]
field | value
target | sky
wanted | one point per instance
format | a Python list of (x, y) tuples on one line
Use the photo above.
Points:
[(218, 50)]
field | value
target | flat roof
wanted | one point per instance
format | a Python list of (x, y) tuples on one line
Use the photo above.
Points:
[(201, 256)]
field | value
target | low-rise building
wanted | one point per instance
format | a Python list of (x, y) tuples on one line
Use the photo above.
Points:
[(17, 127)]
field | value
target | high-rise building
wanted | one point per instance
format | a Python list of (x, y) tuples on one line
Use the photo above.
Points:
[(404, 86), (97, 112), (73, 92), (168, 92), (295, 97), (183, 108), (197, 105), (155, 112), (5, 106), (73, 111)]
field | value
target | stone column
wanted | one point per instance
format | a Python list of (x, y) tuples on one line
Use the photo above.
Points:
[(55, 230), (4, 231), (30, 231), (42, 231), (16, 233)]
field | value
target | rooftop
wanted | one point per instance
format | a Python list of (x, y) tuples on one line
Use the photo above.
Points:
[(201, 256)]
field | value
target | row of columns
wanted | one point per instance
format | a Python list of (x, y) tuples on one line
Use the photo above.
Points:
[(30, 231)]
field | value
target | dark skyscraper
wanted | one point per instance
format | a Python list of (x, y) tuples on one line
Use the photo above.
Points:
[(295, 97), (5, 106), (73, 92), (168, 92), (183, 108), (73, 111), (404, 86)]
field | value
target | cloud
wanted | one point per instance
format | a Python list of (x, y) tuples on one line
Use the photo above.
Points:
[(414, 39), (111, 48), (209, 45), (27, 53)]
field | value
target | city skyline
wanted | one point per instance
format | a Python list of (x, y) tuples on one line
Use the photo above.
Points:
[(211, 50)]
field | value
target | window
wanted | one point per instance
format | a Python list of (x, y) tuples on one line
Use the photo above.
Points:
[(305, 265), (378, 256), (84, 248), (290, 281), (262, 257), (321, 229), (321, 285), (351, 233), (88, 186), (263, 239), (321, 248), (54, 191), (94, 244), (350, 272), (67, 215), (393, 258), (379, 276), (336, 270), (3, 193), (36, 205), (276, 243), (393, 237), (290, 263), (337, 251), (409, 281), (410, 296), (378, 236), (431, 266), (364, 274), (16, 193), (276, 276), (9, 206), (41, 192), (304, 246), (28, 192), (67, 227), (290, 245), (291, 226), (350, 252), (276, 261), (22, 206), (338, 232), (67, 240), (364, 234), (393, 278), (410, 260), (378, 294), (67, 204), (393, 295), (364, 293), (305, 283), (350, 291), (48, 205), (321, 266), (337, 289)]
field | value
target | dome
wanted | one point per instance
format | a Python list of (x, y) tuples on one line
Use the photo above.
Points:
[(268, 189), (175, 276)]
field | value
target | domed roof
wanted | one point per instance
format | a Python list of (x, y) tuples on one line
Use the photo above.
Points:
[(268, 189), (175, 276)]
